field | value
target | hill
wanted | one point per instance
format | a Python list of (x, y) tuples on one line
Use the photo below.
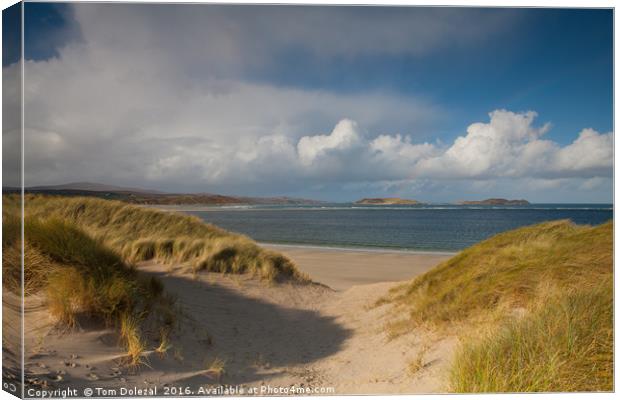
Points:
[(151, 197), (386, 201), (495, 202), (93, 187)]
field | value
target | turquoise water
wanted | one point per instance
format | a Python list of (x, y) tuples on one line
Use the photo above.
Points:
[(427, 228)]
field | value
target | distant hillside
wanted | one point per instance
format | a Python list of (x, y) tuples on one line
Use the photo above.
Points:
[(496, 202), (386, 201), (93, 187), (278, 200), (152, 197)]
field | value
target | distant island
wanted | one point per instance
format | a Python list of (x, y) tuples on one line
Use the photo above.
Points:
[(495, 202), (386, 201)]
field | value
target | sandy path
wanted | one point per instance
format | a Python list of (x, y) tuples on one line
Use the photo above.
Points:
[(266, 335)]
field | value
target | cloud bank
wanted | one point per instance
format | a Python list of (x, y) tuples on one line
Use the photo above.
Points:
[(509, 145), (143, 99)]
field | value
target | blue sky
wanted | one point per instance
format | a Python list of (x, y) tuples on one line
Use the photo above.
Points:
[(417, 74)]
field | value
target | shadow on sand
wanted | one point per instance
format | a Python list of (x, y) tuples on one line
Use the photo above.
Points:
[(255, 339)]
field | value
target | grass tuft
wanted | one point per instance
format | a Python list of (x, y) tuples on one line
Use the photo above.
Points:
[(164, 342), (215, 369), (130, 334)]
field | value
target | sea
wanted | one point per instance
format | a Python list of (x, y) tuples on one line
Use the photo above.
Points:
[(429, 228)]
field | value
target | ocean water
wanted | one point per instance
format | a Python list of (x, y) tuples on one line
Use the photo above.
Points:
[(424, 228)]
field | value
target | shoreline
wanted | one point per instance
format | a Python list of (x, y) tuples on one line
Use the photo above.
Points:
[(348, 206), (379, 250)]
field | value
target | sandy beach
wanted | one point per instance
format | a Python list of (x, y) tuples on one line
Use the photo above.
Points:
[(261, 334), (341, 268)]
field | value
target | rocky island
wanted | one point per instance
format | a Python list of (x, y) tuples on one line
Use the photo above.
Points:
[(496, 202), (387, 201)]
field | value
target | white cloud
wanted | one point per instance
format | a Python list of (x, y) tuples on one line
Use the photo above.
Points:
[(344, 137), (186, 136), (509, 145), (138, 103), (591, 153), (398, 153), (498, 148)]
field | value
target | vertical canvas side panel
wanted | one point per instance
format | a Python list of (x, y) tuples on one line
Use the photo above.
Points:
[(12, 277)]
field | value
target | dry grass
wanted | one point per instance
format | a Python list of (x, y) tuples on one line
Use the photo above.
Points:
[(131, 336), (81, 277), (510, 270), (140, 234), (215, 368), (564, 345), (164, 342), (80, 252), (544, 295), (418, 363)]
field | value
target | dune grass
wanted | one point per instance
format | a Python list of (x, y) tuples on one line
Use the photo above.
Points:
[(508, 271), (82, 279), (564, 344), (80, 252), (140, 234), (544, 296)]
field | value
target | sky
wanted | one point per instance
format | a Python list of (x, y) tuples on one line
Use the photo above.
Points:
[(331, 103)]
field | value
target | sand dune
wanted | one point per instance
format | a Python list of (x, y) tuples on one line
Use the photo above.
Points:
[(264, 335)]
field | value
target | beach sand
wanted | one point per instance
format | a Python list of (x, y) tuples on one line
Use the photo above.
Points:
[(265, 335), (341, 268)]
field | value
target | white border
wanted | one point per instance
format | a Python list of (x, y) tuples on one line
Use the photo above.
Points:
[(467, 3)]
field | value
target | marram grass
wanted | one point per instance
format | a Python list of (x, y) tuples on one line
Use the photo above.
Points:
[(140, 234), (508, 271), (79, 252), (544, 296), (82, 278), (564, 345)]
